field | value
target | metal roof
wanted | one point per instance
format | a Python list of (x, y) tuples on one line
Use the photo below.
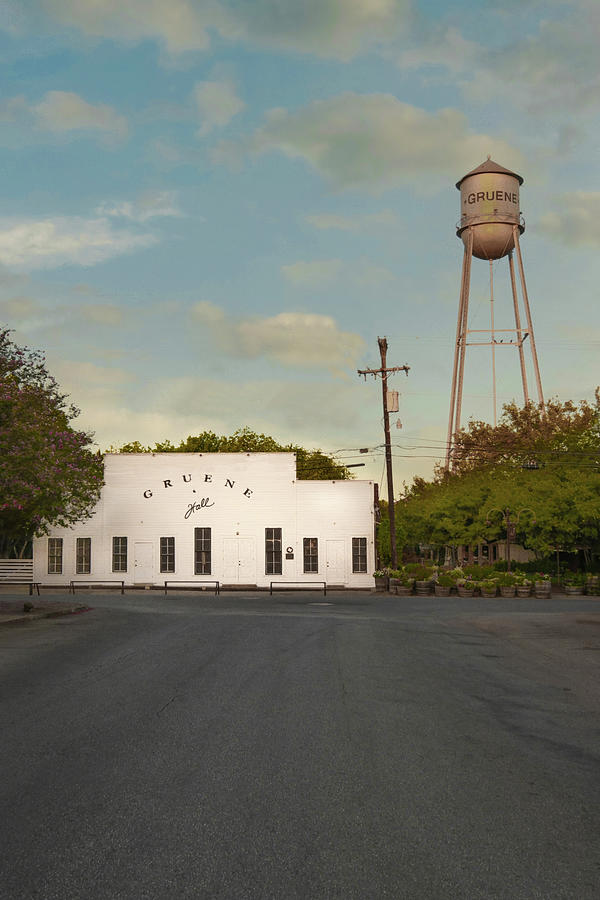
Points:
[(489, 166)]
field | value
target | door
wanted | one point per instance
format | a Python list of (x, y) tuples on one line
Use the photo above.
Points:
[(239, 561), (143, 562), (335, 570)]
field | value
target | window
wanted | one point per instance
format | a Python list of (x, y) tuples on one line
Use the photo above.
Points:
[(119, 562), (359, 554), (311, 555), (167, 554), (55, 555), (202, 542), (83, 556), (273, 551)]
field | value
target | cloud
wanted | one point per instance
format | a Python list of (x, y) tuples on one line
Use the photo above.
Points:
[(181, 25), (313, 274), (553, 68), (577, 224), (360, 222), (102, 314), (374, 141), (151, 205), (29, 244), (301, 340), (337, 29), (18, 309), (63, 111), (217, 103)]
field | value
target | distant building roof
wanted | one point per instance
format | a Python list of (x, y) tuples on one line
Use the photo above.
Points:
[(489, 166)]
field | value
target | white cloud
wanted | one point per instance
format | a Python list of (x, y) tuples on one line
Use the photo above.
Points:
[(63, 111), (151, 205), (217, 103), (29, 244), (102, 314), (180, 25), (302, 340), (18, 309), (314, 273), (375, 141), (359, 222), (329, 28), (577, 223)]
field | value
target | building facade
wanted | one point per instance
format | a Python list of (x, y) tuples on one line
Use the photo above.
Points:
[(236, 518)]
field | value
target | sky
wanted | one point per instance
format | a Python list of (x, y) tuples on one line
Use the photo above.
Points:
[(211, 209)]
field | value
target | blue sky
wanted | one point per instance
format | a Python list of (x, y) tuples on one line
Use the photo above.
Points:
[(210, 211)]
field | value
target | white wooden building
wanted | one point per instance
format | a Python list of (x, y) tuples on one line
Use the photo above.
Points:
[(237, 518)]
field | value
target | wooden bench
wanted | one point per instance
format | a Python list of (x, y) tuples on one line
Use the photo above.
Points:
[(299, 585), (30, 584), (89, 583), (194, 584)]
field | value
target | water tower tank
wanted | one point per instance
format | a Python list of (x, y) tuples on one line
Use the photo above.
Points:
[(489, 203)]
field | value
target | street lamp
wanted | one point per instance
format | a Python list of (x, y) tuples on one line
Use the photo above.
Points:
[(511, 525)]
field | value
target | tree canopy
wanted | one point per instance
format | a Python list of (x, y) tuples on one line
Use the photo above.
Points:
[(310, 464), (48, 473), (544, 469)]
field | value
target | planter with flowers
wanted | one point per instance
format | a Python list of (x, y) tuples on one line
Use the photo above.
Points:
[(489, 587), (523, 586), (381, 579), (507, 583), (573, 583), (444, 585), (465, 587), (542, 586)]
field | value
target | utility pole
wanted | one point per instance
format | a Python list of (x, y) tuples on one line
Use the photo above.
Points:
[(383, 372)]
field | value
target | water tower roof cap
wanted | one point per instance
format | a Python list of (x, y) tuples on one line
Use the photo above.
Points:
[(489, 166)]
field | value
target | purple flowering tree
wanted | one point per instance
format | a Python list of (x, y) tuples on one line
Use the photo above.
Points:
[(48, 473)]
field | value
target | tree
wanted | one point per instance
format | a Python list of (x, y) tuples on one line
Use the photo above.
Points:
[(531, 436), (547, 467), (310, 464), (48, 474)]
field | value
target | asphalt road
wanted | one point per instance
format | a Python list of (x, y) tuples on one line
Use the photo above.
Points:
[(256, 747)]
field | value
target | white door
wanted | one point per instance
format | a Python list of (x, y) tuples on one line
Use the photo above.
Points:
[(143, 562), (239, 561), (335, 571)]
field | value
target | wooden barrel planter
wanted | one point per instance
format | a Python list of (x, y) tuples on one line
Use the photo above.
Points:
[(489, 594), (442, 590), (403, 590), (572, 590), (465, 592), (507, 590), (422, 587), (542, 589), (523, 590), (381, 584)]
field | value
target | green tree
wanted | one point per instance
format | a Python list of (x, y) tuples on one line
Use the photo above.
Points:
[(48, 473), (310, 464)]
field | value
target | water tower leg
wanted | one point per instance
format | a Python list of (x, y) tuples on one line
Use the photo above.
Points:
[(513, 282), (536, 367), (465, 325), (459, 343)]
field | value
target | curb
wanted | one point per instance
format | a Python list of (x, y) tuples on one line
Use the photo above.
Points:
[(24, 618)]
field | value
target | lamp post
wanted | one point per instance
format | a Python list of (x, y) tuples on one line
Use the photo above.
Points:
[(511, 524)]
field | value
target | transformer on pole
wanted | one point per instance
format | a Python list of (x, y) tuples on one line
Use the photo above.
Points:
[(490, 227)]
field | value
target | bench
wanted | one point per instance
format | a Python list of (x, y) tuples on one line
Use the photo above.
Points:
[(100, 581), (30, 584), (299, 585), (194, 584)]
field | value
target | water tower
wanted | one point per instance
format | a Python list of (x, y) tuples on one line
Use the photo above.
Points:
[(490, 227)]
